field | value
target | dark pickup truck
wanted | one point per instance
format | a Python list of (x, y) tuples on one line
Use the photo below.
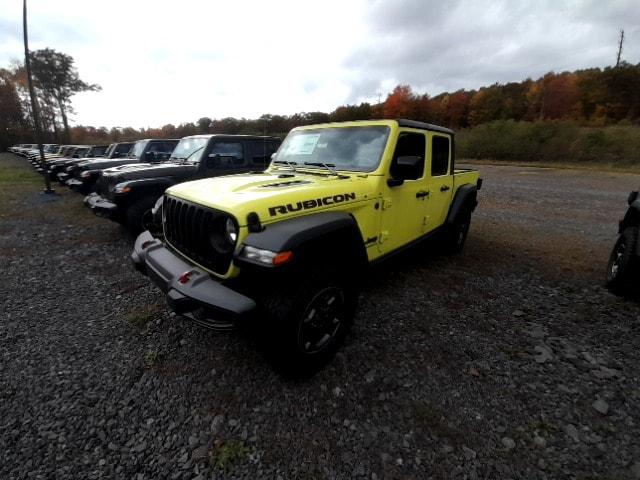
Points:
[(83, 176), (126, 193), (115, 150)]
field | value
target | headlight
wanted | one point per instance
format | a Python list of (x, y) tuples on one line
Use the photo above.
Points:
[(69, 168), (231, 231), (223, 235), (122, 188), (86, 174)]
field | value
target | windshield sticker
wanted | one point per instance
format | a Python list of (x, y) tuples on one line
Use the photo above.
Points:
[(303, 144)]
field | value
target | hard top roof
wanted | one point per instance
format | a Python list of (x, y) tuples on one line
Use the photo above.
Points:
[(210, 135)]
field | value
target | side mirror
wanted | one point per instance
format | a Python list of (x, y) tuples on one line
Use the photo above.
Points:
[(273, 155), (150, 157), (213, 161), (405, 168)]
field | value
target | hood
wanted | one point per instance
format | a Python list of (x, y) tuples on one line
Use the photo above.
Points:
[(134, 171), (276, 196), (102, 163), (66, 161)]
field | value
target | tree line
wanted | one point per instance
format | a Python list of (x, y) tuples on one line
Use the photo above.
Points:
[(590, 97)]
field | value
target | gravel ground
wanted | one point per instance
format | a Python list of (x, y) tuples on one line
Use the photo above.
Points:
[(508, 361)]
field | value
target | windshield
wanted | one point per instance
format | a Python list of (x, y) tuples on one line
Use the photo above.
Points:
[(137, 149), (189, 148), (344, 148)]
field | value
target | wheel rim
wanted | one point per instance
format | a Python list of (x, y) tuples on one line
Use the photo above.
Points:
[(321, 320), (616, 259)]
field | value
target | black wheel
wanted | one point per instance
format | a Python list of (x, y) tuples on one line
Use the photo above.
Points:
[(136, 215), (308, 324), (622, 265), (456, 234)]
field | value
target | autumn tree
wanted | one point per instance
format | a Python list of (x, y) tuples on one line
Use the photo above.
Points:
[(400, 103)]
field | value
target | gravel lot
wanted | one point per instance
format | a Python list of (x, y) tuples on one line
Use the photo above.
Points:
[(508, 361)]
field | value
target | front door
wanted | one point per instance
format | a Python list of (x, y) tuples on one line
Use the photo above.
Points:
[(403, 206)]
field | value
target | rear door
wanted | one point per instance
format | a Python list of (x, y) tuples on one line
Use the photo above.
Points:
[(439, 180)]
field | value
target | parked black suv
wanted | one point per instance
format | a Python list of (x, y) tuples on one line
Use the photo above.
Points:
[(82, 177), (126, 193), (115, 150), (623, 270)]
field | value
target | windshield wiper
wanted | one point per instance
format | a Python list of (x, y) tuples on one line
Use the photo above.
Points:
[(184, 160), (329, 166), (285, 162)]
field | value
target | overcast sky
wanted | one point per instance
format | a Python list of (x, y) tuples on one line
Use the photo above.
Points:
[(164, 62)]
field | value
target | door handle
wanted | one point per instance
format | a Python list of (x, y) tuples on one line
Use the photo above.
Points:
[(444, 188), (422, 194)]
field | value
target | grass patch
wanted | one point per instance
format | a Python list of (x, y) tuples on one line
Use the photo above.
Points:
[(140, 317), (12, 175), (151, 358), (225, 455), (431, 418)]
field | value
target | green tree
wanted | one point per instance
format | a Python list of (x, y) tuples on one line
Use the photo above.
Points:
[(57, 77), (12, 118)]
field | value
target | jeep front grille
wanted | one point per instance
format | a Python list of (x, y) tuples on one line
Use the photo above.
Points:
[(102, 185), (198, 233)]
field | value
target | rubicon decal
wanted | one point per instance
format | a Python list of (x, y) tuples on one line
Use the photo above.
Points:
[(313, 203)]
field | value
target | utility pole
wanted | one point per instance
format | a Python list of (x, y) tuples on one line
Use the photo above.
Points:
[(620, 46), (34, 100)]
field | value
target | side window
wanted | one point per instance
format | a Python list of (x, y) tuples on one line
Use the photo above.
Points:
[(410, 145), (123, 148), (162, 147), (439, 156), (260, 151), (225, 155)]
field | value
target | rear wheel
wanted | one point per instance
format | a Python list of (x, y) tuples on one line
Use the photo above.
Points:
[(456, 234), (136, 213), (623, 263)]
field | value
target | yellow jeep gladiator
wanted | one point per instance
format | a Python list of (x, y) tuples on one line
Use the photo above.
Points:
[(287, 247)]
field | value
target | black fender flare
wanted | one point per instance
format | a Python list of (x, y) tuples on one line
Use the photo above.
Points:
[(149, 185), (316, 239), (465, 197), (631, 216), (631, 219)]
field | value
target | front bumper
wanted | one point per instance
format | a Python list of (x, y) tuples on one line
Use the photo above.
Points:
[(200, 293), (101, 206)]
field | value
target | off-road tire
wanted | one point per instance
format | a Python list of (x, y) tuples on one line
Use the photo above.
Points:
[(291, 311), (623, 263), (135, 214), (456, 233)]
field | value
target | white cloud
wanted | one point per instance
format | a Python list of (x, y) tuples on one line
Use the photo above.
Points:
[(171, 62)]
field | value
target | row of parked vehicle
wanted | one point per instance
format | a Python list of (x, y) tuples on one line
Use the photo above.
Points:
[(123, 181), (282, 237)]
